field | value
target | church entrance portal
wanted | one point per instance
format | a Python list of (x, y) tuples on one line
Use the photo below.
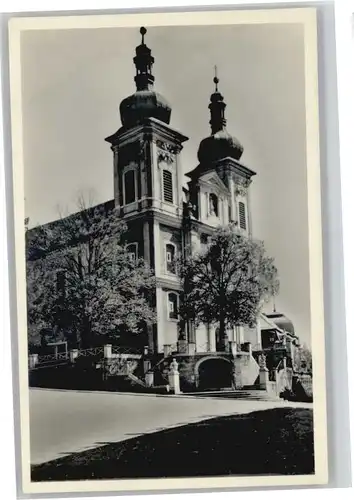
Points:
[(214, 374)]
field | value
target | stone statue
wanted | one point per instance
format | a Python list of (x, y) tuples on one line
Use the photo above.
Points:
[(174, 366), (262, 361), (190, 210)]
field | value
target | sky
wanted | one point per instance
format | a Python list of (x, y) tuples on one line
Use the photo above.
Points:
[(74, 80)]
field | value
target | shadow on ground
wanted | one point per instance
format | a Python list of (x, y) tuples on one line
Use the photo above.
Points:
[(277, 441)]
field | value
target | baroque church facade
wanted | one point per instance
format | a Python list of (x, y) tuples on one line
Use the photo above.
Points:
[(166, 215)]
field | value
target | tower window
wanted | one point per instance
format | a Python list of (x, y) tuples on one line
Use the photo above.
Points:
[(242, 214), (129, 187), (171, 258), (213, 205), (204, 239), (167, 186), (173, 305), (132, 250)]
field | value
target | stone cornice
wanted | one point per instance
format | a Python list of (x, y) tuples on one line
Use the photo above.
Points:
[(154, 214), (169, 284), (226, 164), (235, 166), (150, 129)]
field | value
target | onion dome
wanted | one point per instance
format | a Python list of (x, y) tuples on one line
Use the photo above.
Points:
[(282, 322), (145, 102), (220, 144)]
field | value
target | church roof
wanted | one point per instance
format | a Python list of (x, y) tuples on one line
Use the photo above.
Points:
[(144, 104), (282, 322)]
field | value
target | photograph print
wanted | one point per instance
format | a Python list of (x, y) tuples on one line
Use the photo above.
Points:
[(168, 250)]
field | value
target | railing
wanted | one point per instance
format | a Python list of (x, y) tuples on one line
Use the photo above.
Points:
[(46, 357), (124, 350), (168, 349), (203, 347), (93, 351), (52, 357)]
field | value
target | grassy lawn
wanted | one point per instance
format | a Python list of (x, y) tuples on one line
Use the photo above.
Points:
[(277, 441)]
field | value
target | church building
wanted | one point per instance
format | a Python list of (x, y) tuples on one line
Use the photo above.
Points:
[(167, 211), (165, 216)]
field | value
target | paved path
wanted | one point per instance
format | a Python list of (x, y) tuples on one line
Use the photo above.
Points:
[(63, 422)]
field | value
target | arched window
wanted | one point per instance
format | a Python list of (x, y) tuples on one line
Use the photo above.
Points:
[(173, 305), (167, 186), (213, 205), (242, 215), (132, 250), (171, 258), (129, 187)]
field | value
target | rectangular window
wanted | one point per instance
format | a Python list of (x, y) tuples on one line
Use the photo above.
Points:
[(132, 251), (173, 305), (129, 187), (204, 239), (213, 205), (242, 214), (167, 186), (170, 259)]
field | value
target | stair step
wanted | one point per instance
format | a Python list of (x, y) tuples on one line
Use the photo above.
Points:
[(256, 395)]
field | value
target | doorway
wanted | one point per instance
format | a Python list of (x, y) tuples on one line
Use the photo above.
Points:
[(215, 374)]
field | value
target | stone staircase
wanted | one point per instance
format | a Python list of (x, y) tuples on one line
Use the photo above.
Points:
[(242, 394)]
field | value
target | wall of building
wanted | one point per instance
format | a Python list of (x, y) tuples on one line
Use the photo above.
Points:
[(202, 339), (167, 236), (251, 335), (167, 328)]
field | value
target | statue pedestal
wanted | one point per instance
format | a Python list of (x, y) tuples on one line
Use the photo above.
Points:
[(107, 351), (237, 374), (74, 353), (33, 360), (182, 346), (264, 379), (149, 379), (173, 378)]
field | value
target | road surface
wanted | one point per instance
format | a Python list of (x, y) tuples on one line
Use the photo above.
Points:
[(63, 422)]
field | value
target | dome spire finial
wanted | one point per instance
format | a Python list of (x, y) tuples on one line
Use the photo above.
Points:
[(143, 62), (143, 33), (217, 107), (220, 144), (216, 79)]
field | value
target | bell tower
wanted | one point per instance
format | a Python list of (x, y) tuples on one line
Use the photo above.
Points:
[(220, 171), (145, 149), (148, 187)]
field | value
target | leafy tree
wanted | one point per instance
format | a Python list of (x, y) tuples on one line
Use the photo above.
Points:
[(82, 281), (227, 282)]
